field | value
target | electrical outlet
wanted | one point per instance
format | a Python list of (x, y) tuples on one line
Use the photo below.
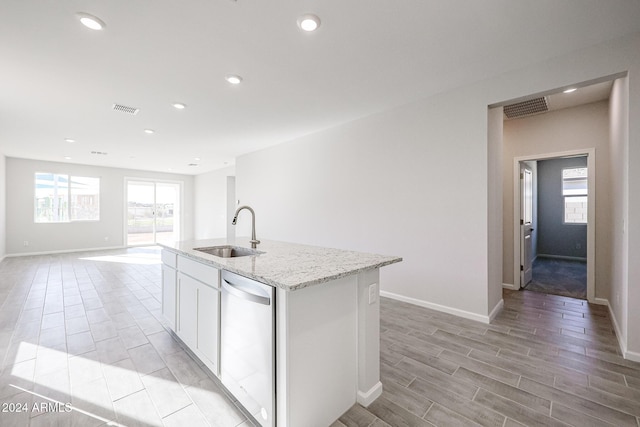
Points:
[(578, 246), (26, 243), (373, 293)]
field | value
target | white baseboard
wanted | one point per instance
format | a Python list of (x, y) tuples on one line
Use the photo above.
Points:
[(602, 301), (65, 251), (622, 339), (496, 310), (510, 286), (567, 258), (632, 355), (438, 307), (367, 398)]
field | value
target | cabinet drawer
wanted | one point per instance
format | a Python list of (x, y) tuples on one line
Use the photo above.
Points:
[(205, 273), (169, 258)]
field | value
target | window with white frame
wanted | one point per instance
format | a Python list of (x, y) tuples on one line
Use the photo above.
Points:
[(66, 198), (575, 193)]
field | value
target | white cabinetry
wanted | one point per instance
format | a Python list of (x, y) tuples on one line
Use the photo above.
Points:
[(187, 326), (169, 289), (198, 323), (327, 337), (208, 326)]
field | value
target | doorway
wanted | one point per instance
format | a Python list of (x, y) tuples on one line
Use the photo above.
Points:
[(153, 212), (549, 254)]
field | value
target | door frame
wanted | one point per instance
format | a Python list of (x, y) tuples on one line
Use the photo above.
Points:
[(127, 179), (591, 213), (525, 228)]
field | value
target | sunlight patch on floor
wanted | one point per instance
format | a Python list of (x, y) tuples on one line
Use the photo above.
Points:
[(129, 258)]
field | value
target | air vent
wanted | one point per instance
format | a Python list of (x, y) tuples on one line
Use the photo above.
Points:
[(124, 109), (99, 153), (193, 165), (526, 108)]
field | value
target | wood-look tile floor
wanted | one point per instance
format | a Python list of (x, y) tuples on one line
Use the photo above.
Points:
[(85, 329), (545, 361)]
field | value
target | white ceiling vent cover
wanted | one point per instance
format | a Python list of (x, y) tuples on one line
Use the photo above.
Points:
[(124, 109), (526, 108)]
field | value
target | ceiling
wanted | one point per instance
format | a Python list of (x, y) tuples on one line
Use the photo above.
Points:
[(582, 95), (59, 80)]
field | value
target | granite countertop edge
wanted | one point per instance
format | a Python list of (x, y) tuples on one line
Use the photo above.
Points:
[(273, 268)]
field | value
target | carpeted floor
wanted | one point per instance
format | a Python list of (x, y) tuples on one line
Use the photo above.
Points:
[(559, 277)]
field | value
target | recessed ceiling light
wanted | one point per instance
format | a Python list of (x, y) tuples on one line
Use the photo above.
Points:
[(308, 22), (67, 157), (573, 89), (91, 21), (179, 105), (69, 140), (233, 79), (197, 159), (149, 131)]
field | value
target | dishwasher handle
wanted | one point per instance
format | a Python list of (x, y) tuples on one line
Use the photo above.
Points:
[(246, 291)]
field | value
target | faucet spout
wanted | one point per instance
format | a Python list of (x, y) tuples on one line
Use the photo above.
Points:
[(254, 242)]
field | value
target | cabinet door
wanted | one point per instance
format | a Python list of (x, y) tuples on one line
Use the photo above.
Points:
[(188, 310), (208, 315), (169, 295)]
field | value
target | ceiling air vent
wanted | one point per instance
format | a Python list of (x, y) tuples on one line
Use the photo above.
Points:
[(526, 108), (124, 109)]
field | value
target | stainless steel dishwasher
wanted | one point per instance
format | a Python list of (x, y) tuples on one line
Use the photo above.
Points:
[(247, 350)]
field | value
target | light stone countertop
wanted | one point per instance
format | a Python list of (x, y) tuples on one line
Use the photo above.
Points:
[(289, 266)]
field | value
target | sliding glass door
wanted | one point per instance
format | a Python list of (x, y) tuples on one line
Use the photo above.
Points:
[(153, 212)]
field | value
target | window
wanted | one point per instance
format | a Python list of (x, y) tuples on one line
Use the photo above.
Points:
[(574, 191), (65, 198)]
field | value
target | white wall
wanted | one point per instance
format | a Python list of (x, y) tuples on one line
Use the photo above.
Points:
[(495, 136), (393, 183), (619, 171), (210, 205), (632, 223), (413, 181), (582, 127), (76, 235), (3, 206)]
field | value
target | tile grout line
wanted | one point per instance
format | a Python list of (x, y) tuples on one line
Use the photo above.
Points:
[(13, 332), (82, 411)]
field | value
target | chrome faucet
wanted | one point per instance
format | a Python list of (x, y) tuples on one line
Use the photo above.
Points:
[(253, 240)]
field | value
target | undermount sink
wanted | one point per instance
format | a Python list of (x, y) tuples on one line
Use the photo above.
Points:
[(228, 251)]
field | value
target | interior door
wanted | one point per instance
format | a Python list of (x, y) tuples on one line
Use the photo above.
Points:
[(526, 221)]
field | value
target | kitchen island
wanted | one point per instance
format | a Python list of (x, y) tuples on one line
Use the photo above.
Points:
[(325, 332)]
